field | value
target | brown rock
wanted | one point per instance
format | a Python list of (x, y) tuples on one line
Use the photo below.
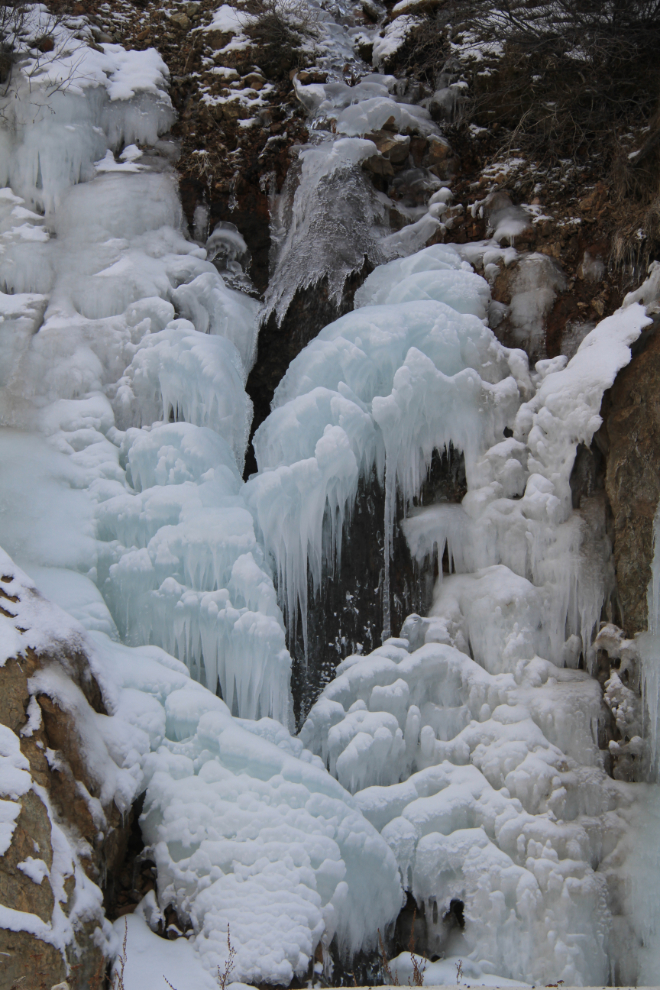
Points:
[(61, 787), (378, 165), (394, 147), (631, 436), (254, 81), (308, 76), (31, 838), (24, 956), (181, 20), (438, 150), (418, 147), (595, 199)]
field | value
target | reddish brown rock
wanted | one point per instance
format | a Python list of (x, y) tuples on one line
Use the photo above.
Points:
[(54, 802)]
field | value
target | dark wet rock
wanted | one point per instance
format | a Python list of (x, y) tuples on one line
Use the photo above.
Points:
[(346, 616), (311, 309), (631, 437)]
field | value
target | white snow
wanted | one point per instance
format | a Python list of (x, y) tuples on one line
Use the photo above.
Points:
[(229, 20)]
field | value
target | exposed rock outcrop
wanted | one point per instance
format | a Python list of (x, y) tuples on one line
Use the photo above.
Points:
[(631, 436), (61, 832)]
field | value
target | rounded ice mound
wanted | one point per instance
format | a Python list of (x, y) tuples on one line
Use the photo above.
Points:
[(468, 777), (253, 833), (437, 257), (291, 432), (365, 349), (466, 292), (178, 452)]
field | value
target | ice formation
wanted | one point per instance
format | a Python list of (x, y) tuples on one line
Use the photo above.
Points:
[(246, 826), (460, 761), (412, 370), (136, 377), (328, 218), (471, 741), (124, 427)]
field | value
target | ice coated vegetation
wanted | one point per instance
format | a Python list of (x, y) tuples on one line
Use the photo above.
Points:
[(458, 761)]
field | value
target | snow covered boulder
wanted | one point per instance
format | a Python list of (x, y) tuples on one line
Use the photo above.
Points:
[(62, 798)]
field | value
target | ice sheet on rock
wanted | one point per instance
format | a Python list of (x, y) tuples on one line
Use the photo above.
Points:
[(534, 289), (381, 388), (361, 118), (327, 222)]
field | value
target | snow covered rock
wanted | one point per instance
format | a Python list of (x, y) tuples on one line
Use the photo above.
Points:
[(64, 800)]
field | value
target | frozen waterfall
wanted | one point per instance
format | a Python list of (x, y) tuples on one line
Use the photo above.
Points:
[(458, 763)]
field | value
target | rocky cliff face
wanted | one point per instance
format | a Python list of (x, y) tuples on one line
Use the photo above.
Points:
[(62, 837), (631, 438)]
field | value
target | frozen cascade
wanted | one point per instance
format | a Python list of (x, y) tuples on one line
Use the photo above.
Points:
[(246, 826), (124, 424), (502, 801), (412, 370), (458, 762), (471, 741), (111, 370)]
